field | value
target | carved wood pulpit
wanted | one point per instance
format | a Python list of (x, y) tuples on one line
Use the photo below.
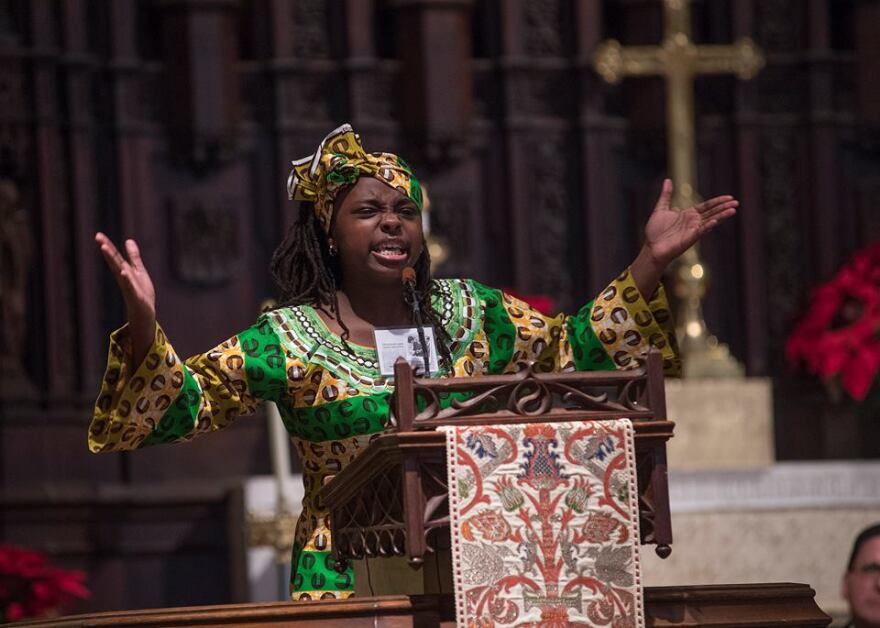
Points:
[(392, 500), (764, 605)]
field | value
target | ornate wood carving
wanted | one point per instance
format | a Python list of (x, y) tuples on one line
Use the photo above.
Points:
[(200, 42), (205, 240), (312, 96), (532, 394), (751, 224), (786, 282), (372, 90), (15, 141), (547, 26), (16, 261), (81, 104), (391, 500), (309, 29), (434, 49), (377, 528), (780, 24), (17, 222), (551, 174), (52, 202), (525, 79), (865, 19)]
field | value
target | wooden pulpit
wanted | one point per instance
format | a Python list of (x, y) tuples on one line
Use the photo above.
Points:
[(391, 502), (389, 507), (759, 605)]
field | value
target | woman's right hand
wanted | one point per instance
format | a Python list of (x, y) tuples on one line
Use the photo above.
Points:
[(137, 292)]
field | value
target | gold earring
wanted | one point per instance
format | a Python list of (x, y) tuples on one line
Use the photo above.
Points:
[(331, 246)]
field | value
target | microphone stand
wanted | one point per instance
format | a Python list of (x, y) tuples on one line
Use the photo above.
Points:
[(412, 299)]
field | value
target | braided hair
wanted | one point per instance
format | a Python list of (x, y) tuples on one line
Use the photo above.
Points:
[(306, 274)]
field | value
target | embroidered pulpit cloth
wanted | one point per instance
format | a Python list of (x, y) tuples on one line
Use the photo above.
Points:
[(544, 524)]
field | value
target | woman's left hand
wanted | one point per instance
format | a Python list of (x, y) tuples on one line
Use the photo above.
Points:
[(670, 232)]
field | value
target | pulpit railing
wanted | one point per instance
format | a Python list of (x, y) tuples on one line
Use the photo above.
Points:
[(392, 500)]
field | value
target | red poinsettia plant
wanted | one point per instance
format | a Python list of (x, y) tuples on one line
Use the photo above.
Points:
[(839, 337), (31, 587)]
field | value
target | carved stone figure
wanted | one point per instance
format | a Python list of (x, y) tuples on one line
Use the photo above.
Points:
[(16, 260)]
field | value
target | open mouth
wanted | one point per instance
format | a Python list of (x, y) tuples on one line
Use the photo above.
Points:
[(393, 252)]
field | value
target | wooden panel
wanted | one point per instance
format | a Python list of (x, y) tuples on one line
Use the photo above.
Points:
[(39, 447), (783, 604), (758, 605), (164, 545)]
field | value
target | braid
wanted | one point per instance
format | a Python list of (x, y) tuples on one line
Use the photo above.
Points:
[(301, 265), (304, 270), (425, 288), (306, 274)]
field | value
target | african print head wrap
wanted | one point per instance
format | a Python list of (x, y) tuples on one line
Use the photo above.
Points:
[(338, 162)]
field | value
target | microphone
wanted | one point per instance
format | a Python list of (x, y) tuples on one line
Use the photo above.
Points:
[(408, 278)]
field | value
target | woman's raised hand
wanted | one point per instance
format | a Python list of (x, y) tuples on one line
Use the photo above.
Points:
[(137, 292), (670, 232)]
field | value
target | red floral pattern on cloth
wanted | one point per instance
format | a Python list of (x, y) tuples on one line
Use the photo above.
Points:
[(544, 522)]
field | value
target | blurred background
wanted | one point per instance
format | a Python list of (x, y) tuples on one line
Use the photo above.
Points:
[(174, 122)]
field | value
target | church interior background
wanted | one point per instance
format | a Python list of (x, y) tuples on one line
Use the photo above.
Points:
[(174, 122)]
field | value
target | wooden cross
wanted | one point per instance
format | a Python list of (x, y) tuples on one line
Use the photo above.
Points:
[(679, 61)]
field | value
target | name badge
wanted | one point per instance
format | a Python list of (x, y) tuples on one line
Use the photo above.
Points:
[(403, 342)]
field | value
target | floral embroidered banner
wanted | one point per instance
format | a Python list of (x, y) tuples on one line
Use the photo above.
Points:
[(545, 524)]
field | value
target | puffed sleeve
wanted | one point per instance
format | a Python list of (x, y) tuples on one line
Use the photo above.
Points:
[(165, 399), (609, 332)]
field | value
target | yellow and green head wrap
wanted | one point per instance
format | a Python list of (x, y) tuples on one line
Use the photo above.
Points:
[(338, 162)]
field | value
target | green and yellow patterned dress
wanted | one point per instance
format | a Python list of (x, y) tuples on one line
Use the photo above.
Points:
[(331, 396)]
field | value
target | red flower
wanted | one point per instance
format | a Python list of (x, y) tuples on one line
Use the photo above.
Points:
[(599, 527), (31, 587), (490, 523), (838, 336)]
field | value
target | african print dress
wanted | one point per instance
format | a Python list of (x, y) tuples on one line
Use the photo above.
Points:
[(332, 397)]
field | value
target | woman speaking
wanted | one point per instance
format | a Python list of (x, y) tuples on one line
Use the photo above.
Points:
[(315, 355)]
